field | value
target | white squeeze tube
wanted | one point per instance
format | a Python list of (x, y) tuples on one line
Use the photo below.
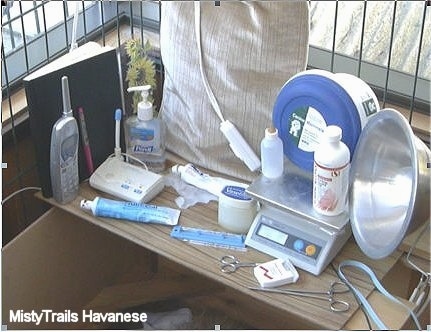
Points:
[(236, 141), (214, 185), (143, 213)]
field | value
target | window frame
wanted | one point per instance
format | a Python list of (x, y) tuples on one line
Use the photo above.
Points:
[(26, 58), (401, 88)]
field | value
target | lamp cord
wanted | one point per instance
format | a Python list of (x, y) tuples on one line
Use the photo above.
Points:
[(206, 84)]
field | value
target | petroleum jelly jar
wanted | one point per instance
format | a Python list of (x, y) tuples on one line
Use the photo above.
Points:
[(236, 209)]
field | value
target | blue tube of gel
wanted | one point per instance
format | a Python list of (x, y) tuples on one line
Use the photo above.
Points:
[(143, 213)]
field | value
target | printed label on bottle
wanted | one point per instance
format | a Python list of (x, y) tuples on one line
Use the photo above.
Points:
[(306, 125), (330, 189), (142, 134), (144, 141)]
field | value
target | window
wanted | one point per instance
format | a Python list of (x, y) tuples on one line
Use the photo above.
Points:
[(35, 32), (383, 42)]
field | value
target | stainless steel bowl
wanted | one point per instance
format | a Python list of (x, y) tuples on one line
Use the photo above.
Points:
[(389, 184)]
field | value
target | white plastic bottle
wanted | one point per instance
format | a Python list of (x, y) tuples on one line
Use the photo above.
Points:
[(145, 135), (331, 173), (272, 155)]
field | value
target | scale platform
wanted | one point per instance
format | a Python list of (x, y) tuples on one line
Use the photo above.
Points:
[(287, 226)]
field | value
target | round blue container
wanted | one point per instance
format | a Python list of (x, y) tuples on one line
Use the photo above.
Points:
[(314, 99)]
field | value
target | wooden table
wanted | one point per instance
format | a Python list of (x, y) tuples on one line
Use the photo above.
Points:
[(272, 310)]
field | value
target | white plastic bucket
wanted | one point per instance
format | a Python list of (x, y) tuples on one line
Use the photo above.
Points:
[(314, 99)]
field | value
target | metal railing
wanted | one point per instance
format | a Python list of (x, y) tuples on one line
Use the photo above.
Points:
[(370, 40)]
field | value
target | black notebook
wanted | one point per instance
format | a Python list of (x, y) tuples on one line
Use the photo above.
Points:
[(94, 85)]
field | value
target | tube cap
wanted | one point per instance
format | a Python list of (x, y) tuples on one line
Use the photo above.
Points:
[(86, 204)]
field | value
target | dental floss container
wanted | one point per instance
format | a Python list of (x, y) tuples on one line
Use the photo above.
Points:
[(236, 209), (275, 273), (272, 155), (145, 134), (331, 173)]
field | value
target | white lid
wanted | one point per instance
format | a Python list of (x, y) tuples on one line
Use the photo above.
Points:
[(145, 111), (332, 134), (235, 196), (86, 204), (145, 107), (176, 169), (271, 132)]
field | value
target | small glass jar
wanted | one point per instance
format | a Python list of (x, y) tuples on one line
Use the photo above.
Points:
[(236, 209)]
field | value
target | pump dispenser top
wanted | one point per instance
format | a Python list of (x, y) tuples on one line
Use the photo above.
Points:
[(145, 134), (145, 107)]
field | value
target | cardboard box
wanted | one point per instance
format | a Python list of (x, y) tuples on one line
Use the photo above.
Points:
[(60, 263)]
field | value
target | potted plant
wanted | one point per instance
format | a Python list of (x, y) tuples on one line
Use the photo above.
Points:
[(140, 68)]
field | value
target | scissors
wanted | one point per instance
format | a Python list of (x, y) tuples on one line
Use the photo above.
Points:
[(230, 264), (336, 287)]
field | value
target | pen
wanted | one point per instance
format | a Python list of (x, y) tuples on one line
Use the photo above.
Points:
[(85, 141)]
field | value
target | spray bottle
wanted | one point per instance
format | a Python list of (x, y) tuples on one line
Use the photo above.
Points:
[(145, 137)]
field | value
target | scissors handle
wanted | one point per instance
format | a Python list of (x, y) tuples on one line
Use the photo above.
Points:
[(228, 268), (334, 305), (338, 305), (229, 259), (232, 267), (230, 264)]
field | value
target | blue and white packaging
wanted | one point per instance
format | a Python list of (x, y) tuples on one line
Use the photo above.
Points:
[(314, 99), (236, 209), (138, 212)]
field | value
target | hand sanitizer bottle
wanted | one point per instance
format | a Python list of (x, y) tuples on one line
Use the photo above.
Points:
[(331, 173), (145, 134)]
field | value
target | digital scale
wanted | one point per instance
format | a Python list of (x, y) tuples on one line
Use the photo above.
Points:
[(287, 225)]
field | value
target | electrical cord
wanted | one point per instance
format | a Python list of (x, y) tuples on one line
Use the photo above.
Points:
[(128, 156), (38, 188), (19, 191), (207, 87)]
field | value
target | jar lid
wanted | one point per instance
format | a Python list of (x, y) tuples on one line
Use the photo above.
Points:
[(236, 197), (312, 100)]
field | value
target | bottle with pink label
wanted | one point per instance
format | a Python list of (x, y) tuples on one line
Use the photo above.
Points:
[(331, 173)]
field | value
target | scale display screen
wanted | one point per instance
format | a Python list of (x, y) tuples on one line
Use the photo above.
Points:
[(288, 239), (272, 234)]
